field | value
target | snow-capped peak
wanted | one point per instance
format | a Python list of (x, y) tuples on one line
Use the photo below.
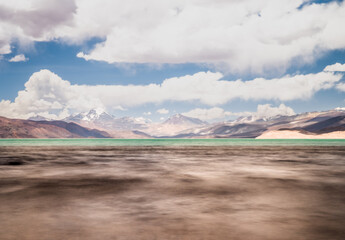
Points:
[(99, 111), (339, 109), (90, 116), (181, 119), (95, 114)]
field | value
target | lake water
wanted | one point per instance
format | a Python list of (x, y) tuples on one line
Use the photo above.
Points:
[(172, 142), (172, 189)]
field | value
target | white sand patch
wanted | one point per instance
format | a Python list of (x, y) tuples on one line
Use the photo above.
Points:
[(293, 134)]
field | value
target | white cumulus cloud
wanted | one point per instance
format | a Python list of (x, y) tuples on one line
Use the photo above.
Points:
[(267, 111), (208, 114), (337, 67), (19, 58), (47, 92), (217, 113), (163, 111), (238, 36), (44, 93)]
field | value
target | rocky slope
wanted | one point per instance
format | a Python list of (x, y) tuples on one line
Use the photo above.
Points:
[(16, 128), (309, 124)]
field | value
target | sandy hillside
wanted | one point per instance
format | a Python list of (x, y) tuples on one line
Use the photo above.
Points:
[(293, 134)]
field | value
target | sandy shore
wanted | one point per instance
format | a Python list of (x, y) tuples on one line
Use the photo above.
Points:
[(145, 193), (292, 134)]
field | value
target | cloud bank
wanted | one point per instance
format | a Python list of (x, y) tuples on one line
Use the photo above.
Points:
[(237, 36), (337, 67), (208, 114), (263, 111), (163, 111), (241, 35), (26, 21), (48, 95)]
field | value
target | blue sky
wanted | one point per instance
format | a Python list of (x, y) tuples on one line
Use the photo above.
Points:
[(174, 42)]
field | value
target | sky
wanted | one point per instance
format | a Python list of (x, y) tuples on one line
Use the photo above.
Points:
[(211, 59)]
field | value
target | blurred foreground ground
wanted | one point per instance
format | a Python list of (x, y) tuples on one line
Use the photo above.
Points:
[(172, 193)]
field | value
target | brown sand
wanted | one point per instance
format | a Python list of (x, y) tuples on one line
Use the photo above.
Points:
[(277, 193)]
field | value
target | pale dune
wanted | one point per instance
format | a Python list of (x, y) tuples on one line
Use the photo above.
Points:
[(293, 134), (166, 129)]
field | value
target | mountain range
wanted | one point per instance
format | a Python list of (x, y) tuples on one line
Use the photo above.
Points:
[(17, 128), (99, 124)]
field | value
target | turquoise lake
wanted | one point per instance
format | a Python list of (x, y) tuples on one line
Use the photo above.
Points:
[(172, 142)]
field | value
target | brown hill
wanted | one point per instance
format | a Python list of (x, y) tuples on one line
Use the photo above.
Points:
[(17, 128)]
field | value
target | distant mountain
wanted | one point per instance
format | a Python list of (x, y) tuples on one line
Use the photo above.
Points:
[(253, 118), (308, 123), (97, 118), (179, 119), (124, 127), (173, 126), (92, 116), (225, 130), (316, 125), (16, 128), (130, 123), (134, 127), (179, 126), (39, 118), (327, 125)]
